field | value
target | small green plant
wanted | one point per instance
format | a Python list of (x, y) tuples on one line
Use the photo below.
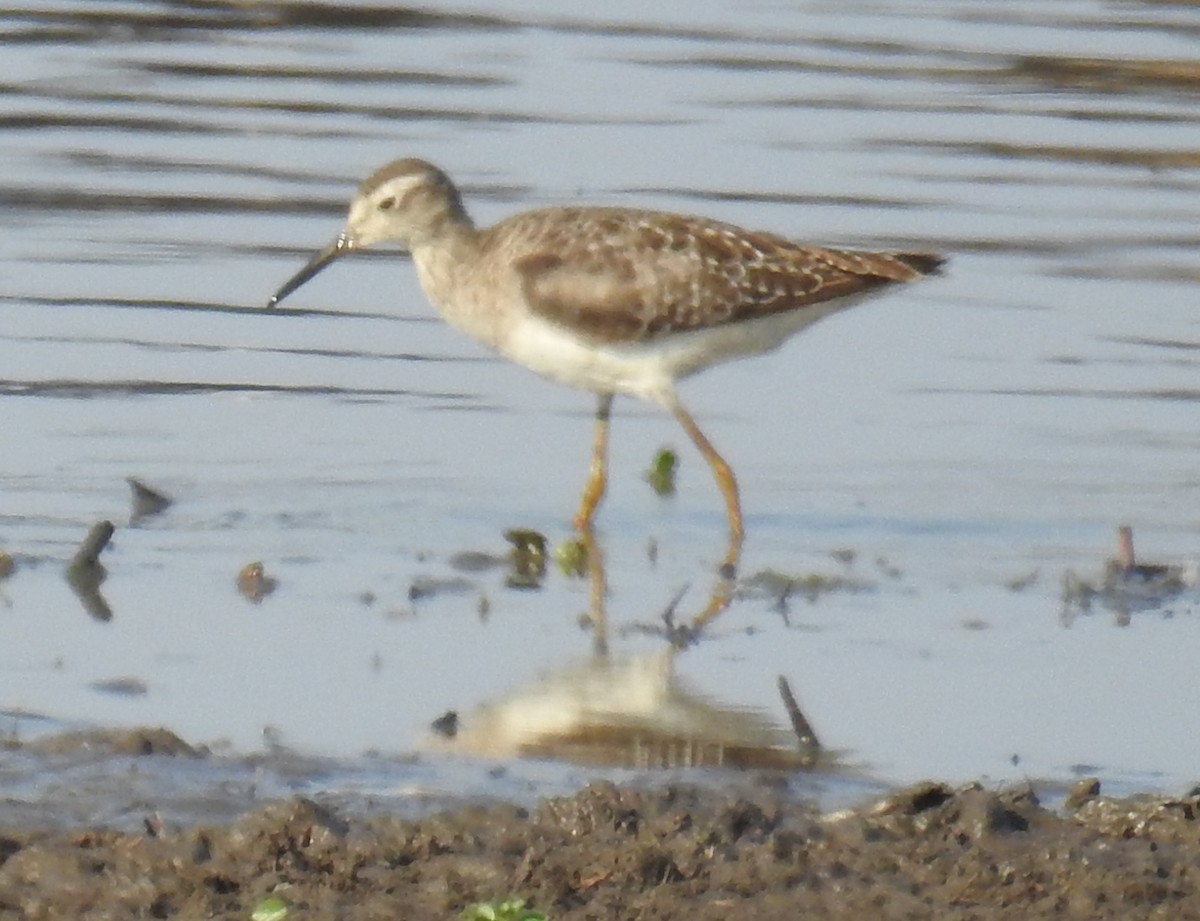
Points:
[(661, 474), (270, 909), (571, 556), (508, 910)]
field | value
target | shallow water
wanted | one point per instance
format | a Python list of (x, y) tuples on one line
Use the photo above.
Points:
[(170, 164)]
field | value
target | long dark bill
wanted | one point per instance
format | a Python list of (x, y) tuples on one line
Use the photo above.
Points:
[(339, 247)]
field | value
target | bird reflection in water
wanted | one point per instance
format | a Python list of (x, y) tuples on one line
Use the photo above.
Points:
[(632, 711)]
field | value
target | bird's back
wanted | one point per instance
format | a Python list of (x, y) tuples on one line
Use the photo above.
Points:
[(621, 275)]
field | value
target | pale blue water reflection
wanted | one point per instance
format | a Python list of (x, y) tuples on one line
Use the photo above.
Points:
[(168, 168)]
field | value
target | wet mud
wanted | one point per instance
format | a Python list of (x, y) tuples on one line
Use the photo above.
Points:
[(669, 851)]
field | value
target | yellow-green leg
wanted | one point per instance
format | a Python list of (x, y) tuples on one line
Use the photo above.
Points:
[(597, 482), (726, 482)]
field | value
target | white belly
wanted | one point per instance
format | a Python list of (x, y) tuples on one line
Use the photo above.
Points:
[(649, 369)]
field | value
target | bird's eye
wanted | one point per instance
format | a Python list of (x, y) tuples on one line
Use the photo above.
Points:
[(388, 203)]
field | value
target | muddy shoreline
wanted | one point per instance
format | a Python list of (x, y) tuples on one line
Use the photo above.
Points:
[(608, 851)]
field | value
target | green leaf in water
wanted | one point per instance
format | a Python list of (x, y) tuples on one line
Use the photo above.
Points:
[(661, 474), (571, 557)]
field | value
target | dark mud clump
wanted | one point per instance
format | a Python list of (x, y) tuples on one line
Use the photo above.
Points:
[(607, 852)]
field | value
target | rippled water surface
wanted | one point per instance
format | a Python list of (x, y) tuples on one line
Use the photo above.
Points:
[(966, 442)]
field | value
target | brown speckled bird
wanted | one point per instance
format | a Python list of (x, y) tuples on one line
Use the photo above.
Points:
[(611, 300)]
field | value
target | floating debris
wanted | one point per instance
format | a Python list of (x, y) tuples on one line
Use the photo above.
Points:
[(147, 500), (1020, 583), (805, 734), (528, 541), (844, 555), (7, 565), (679, 635), (423, 587), (1126, 568), (571, 557), (661, 475), (1127, 586), (254, 583), (783, 586), (477, 561), (888, 568), (446, 725), (527, 561), (121, 687), (85, 572), (88, 554)]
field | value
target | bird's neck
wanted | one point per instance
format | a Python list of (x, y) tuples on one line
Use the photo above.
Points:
[(450, 266), (450, 247)]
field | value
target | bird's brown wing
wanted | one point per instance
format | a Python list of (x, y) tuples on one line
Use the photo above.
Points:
[(620, 276)]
